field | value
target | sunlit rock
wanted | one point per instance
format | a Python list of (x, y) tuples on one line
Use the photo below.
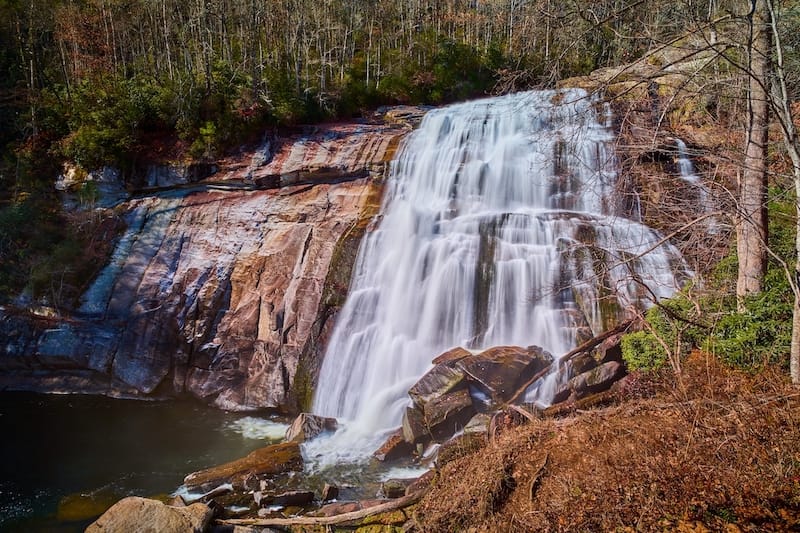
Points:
[(307, 426), (267, 461), (140, 514), (500, 371), (216, 288), (438, 381)]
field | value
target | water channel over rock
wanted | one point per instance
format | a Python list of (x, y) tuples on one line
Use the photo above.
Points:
[(502, 224)]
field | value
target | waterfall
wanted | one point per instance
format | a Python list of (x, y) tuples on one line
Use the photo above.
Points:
[(499, 226), (687, 173), (685, 166)]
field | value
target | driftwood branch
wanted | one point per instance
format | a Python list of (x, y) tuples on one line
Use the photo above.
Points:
[(524, 412), (343, 518), (594, 341), (586, 346)]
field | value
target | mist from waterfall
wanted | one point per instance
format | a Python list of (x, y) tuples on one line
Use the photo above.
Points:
[(500, 226)]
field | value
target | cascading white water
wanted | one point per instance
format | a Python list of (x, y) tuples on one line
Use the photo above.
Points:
[(499, 226), (685, 166), (688, 174)]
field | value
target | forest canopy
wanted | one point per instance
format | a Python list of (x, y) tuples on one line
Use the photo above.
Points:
[(94, 80)]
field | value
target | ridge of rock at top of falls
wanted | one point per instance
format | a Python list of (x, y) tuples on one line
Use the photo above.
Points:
[(223, 293)]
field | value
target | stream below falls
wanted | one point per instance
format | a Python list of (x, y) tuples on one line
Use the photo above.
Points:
[(63, 456)]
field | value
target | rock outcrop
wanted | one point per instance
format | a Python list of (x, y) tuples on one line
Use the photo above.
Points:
[(463, 393), (224, 289), (460, 384)]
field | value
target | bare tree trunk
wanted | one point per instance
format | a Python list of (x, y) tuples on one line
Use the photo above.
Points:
[(783, 112), (751, 230)]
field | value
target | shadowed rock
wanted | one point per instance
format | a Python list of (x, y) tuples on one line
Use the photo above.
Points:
[(414, 429), (295, 498), (598, 379), (337, 508), (394, 448), (329, 492), (448, 413), (394, 488)]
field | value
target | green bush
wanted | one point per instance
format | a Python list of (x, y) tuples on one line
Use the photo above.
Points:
[(674, 323), (759, 335), (641, 351), (107, 116)]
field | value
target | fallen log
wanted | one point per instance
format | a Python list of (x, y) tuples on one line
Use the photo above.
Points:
[(343, 518), (594, 341)]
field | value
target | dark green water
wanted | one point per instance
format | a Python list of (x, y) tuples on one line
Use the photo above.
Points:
[(57, 449)]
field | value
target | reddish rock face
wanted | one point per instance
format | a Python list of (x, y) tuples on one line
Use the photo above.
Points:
[(394, 448), (222, 290), (331, 153)]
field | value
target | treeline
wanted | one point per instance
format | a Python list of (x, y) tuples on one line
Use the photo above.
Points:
[(110, 82), (92, 80)]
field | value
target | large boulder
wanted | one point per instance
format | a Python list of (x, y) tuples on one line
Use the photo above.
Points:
[(267, 461), (438, 419), (414, 430), (442, 399), (598, 379), (447, 414), (307, 426), (437, 382), (499, 372), (395, 447), (590, 371), (452, 356), (151, 516)]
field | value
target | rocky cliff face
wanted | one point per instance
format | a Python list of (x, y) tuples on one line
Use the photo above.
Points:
[(222, 290)]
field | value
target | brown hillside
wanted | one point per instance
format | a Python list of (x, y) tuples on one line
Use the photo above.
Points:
[(720, 453)]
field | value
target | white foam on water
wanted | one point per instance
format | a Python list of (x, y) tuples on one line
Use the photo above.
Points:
[(403, 473), (251, 427)]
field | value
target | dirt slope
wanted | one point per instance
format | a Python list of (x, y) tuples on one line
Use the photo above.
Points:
[(718, 452)]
